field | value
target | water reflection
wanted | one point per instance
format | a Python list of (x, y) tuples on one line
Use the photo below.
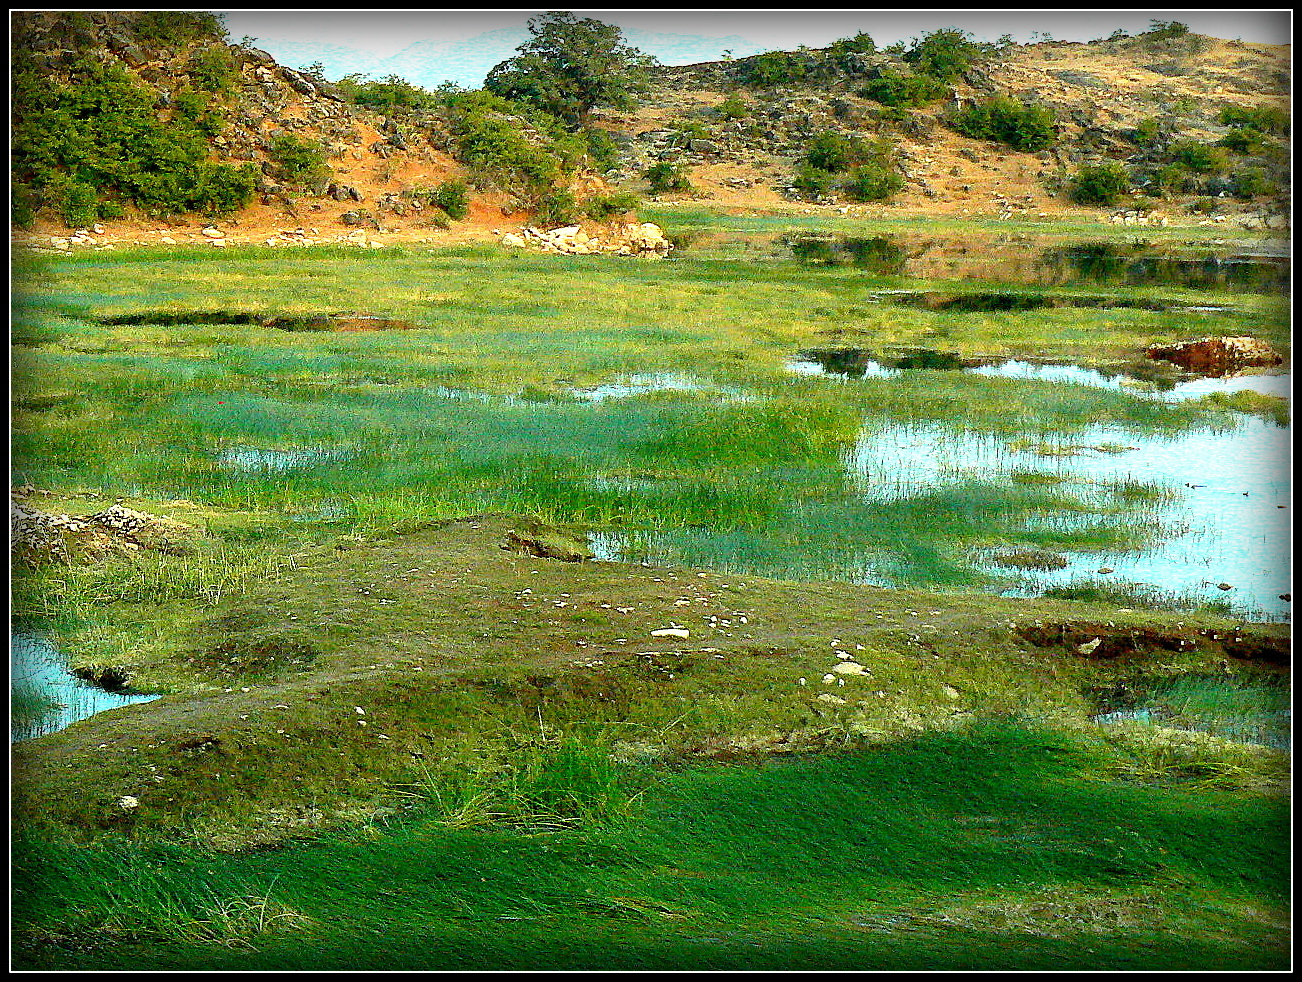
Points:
[(45, 697), (1225, 515), (1020, 259)]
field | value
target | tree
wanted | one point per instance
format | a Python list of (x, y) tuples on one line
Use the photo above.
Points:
[(570, 66)]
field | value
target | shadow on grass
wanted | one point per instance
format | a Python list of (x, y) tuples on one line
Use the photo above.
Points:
[(937, 853)]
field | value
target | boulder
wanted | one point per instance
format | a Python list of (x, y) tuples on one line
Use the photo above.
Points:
[(1217, 356)]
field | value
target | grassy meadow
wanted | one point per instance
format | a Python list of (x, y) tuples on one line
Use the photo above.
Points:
[(387, 741)]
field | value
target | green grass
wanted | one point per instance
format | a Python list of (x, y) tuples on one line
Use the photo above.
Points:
[(386, 742), (1003, 847), (476, 408)]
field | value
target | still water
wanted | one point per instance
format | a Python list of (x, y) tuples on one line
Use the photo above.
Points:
[(45, 697)]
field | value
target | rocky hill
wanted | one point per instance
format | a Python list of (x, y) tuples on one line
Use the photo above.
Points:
[(737, 137)]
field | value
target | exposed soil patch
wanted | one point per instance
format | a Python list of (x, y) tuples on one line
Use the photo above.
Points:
[(1218, 356), (1105, 641), (1007, 302), (1031, 559), (282, 322)]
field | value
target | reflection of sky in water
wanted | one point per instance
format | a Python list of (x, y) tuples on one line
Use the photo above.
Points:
[(259, 459), (1230, 487), (1265, 383), (636, 385), (38, 668)]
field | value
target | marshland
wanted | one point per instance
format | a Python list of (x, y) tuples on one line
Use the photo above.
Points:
[(785, 520), (354, 672)]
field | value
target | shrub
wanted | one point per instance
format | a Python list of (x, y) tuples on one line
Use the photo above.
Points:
[(1102, 184), (213, 69), (774, 68), (732, 108), (604, 207), (1252, 182), (1004, 120), (602, 150), (556, 207), (1163, 29), (872, 182), (453, 198), (300, 163), (836, 152), (897, 89), (946, 54), (508, 144), (96, 136), (812, 182), (1202, 158), (1174, 178), (1266, 119), (1148, 131), (666, 176), (173, 28), (389, 95), (1243, 139)]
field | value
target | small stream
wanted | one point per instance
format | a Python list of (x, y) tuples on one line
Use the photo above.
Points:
[(45, 697)]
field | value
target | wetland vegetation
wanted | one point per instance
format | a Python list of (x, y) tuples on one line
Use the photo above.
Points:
[(862, 699)]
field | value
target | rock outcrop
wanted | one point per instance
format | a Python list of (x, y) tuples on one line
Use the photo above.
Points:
[(1218, 356), (646, 241), (38, 536)]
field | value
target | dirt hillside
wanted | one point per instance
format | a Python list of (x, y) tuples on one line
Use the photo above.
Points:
[(1099, 92)]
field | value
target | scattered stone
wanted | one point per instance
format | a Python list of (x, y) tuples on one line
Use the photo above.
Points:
[(1217, 356), (546, 546), (671, 632)]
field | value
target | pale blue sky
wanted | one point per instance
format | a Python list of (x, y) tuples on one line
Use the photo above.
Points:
[(386, 32)]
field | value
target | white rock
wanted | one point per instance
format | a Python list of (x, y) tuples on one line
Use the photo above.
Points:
[(128, 802), (849, 668), (671, 632)]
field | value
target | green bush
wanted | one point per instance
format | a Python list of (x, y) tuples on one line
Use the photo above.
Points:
[(1102, 184), (1174, 178), (666, 176), (213, 69), (1253, 182), (872, 182), (1004, 120), (508, 144), (174, 28), (1205, 206), (946, 54), (898, 89), (1147, 132), (836, 152), (453, 197), (602, 150), (1201, 158), (1243, 139), (812, 182), (556, 207), (300, 163), (1164, 29), (732, 108), (389, 95), (96, 136), (774, 68), (604, 207), (1265, 119)]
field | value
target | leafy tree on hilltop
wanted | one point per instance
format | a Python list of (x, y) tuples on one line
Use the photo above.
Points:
[(571, 66)]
